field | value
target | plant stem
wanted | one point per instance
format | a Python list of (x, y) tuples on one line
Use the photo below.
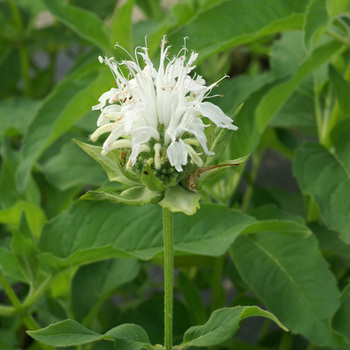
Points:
[(27, 319), (23, 49), (216, 288), (168, 277)]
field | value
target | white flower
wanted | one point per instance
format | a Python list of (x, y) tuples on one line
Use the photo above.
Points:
[(157, 107)]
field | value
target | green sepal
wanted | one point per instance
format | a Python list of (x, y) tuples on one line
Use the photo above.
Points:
[(137, 196), (151, 181), (110, 164), (204, 176), (220, 142), (179, 199)]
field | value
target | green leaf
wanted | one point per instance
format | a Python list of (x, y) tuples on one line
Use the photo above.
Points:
[(274, 100), (325, 176), (137, 196), (17, 113), (65, 333), (341, 320), (91, 231), (208, 35), (9, 265), (316, 21), (342, 89), (283, 227), (36, 217), (192, 299), (129, 337), (178, 199), (71, 167), (93, 283), (288, 274), (68, 102), (121, 31), (26, 254), (110, 164), (338, 7), (86, 24), (222, 324)]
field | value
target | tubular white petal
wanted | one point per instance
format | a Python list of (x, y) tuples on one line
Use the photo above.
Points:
[(194, 156), (216, 115), (101, 130), (120, 144), (157, 164), (177, 154)]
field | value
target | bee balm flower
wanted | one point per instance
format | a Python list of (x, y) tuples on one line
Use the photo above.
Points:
[(156, 115)]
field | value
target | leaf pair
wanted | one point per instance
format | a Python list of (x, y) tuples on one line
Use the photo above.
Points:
[(222, 324)]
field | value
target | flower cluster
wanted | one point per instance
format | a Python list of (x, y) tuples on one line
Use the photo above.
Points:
[(155, 115)]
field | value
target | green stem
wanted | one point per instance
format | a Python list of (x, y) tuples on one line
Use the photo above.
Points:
[(256, 158), (23, 49), (27, 319), (310, 347), (337, 37), (168, 277), (216, 299), (286, 342), (10, 293)]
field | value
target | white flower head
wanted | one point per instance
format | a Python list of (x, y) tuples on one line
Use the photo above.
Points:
[(158, 111)]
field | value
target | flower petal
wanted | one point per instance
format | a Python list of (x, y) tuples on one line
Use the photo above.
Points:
[(177, 154), (216, 115)]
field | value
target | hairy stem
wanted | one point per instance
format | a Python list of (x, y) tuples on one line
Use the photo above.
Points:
[(168, 277)]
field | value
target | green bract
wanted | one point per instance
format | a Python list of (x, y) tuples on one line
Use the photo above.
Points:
[(143, 183)]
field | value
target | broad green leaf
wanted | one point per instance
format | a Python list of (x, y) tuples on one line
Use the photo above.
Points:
[(121, 31), (325, 176), (36, 217), (71, 167), (136, 196), (26, 254), (316, 21), (286, 53), (342, 89), (193, 299), (249, 90), (68, 102), (341, 320), (329, 241), (91, 231), (110, 164), (222, 324), (244, 23), (129, 337), (65, 333), (288, 274), (86, 24), (17, 113), (274, 100), (338, 7), (101, 8), (93, 283), (9, 194), (283, 227), (178, 199), (9, 265)]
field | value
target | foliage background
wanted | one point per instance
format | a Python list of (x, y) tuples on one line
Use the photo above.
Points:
[(285, 248)]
